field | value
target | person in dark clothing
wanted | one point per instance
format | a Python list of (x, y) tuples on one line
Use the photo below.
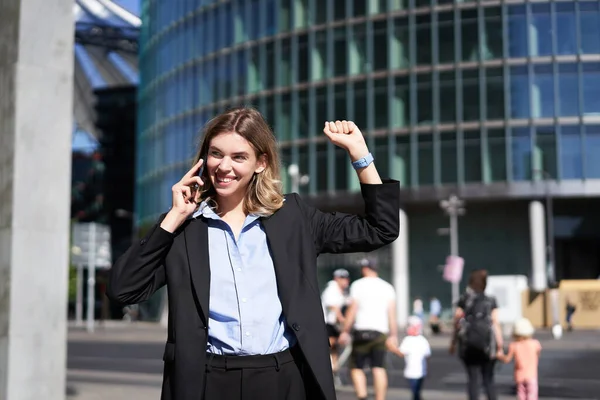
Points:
[(477, 335)]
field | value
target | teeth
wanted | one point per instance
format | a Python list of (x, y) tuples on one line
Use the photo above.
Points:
[(224, 180)]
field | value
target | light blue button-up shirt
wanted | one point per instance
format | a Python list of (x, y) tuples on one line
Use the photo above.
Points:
[(245, 314)]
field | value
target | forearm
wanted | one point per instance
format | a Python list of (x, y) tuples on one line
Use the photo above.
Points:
[(350, 315), (369, 174)]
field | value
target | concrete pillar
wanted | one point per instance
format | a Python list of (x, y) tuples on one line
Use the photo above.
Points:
[(36, 86), (537, 230), (401, 271)]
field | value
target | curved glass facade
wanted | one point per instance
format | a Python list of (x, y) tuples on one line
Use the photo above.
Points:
[(448, 92)]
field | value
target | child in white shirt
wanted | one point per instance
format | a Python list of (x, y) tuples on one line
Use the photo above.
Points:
[(415, 349)]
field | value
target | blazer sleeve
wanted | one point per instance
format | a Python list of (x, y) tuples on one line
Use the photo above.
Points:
[(140, 271), (347, 233)]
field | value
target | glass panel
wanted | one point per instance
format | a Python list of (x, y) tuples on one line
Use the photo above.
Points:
[(494, 38), (269, 110), (359, 8), (469, 35), (286, 160), (271, 17), (446, 37), (242, 71), (360, 105), (497, 154), (423, 39), (521, 154), (301, 13), (449, 160), (566, 28), (303, 117), (270, 65), (425, 154), (447, 97), (321, 108), (319, 64), (322, 167), (571, 162), (519, 92), (568, 90), (472, 155), (285, 15), (495, 93), (381, 155), (254, 22), (545, 154), (424, 100), (358, 50), (591, 83), (380, 52), (589, 14), (399, 47), (592, 149), (401, 102), (339, 9), (401, 168), (339, 93), (340, 49), (540, 30), (341, 169), (285, 65), (284, 118), (471, 109), (381, 103), (303, 58), (320, 11)]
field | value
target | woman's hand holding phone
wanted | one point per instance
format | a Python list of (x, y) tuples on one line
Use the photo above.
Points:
[(185, 198)]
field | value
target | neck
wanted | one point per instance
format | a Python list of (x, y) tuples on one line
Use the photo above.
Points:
[(231, 205)]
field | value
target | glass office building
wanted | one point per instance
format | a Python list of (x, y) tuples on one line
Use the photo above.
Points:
[(498, 102)]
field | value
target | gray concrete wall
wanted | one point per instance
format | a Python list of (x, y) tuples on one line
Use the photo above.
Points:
[(36, 73)]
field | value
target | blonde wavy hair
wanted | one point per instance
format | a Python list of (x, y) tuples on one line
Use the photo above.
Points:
[(264, 193)]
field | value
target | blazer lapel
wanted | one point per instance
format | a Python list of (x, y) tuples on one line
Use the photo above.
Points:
[(275, 230), (196, 241)]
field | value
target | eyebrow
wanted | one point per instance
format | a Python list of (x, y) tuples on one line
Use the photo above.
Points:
[(237, 153)]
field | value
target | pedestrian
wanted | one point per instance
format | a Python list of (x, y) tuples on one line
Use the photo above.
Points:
[(418, 309), (435, 312), (570, 309), (526, 352), (239, 261), (415, 350), (334, 299), (477, 334), (372, 314)]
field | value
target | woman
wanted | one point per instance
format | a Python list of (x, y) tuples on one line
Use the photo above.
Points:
[(239, 260), (478, 335)]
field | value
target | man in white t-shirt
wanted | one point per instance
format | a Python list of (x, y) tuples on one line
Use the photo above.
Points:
[(372, 313), (334, 299)]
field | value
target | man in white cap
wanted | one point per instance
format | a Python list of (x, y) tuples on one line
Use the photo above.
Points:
[(334, 299), (372, 314)]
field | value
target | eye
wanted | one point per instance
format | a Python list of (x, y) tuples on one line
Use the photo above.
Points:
[(240, 158), (215, 154)]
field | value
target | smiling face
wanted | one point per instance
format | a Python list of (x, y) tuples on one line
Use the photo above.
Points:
[(231, 164)]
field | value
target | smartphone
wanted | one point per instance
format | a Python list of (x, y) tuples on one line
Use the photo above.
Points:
[(201, 170)]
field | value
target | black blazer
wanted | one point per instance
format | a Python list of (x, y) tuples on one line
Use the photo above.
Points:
[(296, 234)]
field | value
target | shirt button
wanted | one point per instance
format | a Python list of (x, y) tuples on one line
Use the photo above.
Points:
[(247, 333), (239, 270), (244, 300)]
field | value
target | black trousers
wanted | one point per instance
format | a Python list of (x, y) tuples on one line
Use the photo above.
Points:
[(269, 377), (484, 367)]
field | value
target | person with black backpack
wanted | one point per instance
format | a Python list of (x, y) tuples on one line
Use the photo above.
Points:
[(477, 335)]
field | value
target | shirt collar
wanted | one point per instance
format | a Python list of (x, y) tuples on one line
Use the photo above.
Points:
[(206, 211)]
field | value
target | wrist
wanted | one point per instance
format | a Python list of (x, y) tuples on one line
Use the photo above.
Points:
[(172, 221), (358, 153)]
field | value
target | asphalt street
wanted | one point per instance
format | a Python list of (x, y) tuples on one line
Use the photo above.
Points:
[(133, 356)]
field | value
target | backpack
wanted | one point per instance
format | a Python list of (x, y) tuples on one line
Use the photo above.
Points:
[(476, 333)]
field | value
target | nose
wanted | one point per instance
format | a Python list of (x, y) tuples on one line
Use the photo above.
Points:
[(225, 164)]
